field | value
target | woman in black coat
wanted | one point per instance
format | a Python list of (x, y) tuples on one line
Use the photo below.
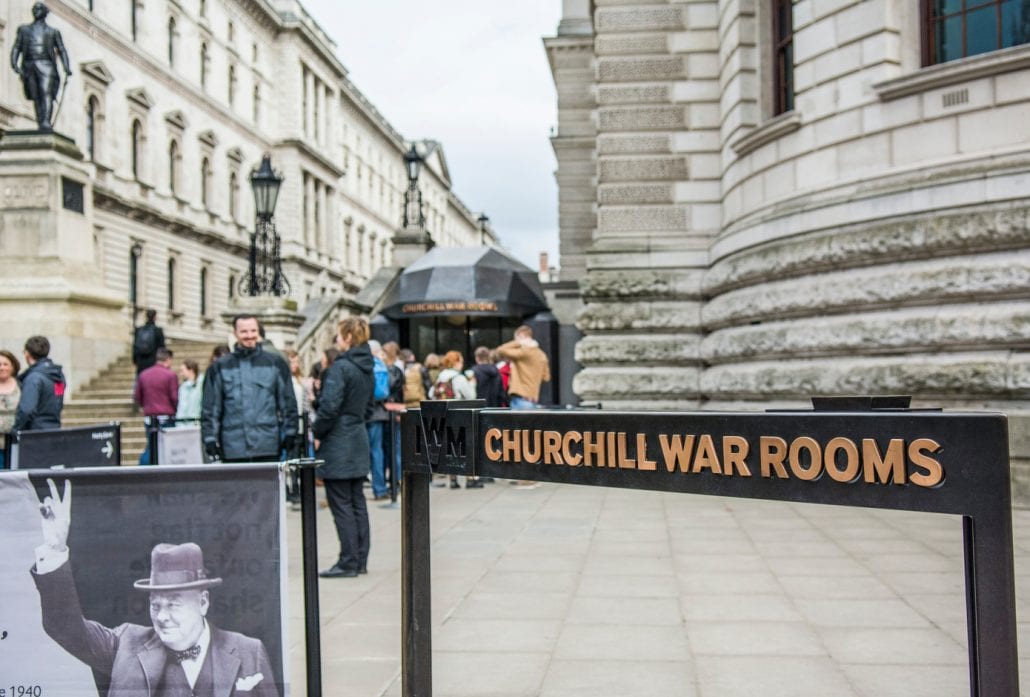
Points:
[(343, 406)]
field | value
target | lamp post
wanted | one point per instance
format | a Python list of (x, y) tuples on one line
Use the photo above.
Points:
[(483, 222), (413, 215), (265, 274)]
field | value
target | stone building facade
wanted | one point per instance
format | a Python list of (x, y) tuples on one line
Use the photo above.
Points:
[(763, 200), (172, 104)]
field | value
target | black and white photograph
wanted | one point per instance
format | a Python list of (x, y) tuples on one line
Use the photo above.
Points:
[(164, 582)]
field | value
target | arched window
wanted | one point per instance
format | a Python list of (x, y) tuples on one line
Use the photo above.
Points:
[(230, 32), (232, 84), (137, 148), (171, 42), (205, 181), (173, 167), (171, 283), (234, 196), (133, 20), (232, 286), (205, 59), (92, 112)]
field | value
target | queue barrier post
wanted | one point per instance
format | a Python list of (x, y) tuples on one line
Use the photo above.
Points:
[(884, 456)]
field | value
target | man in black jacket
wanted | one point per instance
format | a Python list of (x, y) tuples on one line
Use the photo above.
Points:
[(249, 413), (42, 389)]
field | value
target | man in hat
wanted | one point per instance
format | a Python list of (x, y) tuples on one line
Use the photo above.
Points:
[(180, 654)]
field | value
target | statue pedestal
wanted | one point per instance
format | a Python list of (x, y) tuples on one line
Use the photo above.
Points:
[(50, 283), (277, 315)]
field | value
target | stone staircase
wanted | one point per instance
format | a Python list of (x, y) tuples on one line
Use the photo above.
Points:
[(108, 397)]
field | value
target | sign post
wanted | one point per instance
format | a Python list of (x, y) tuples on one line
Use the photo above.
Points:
[(928, 461)]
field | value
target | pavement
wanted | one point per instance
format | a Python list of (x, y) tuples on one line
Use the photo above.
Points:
[(571, 591)]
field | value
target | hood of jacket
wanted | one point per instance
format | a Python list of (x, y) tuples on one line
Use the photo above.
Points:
[(47, 368), (360, 356)]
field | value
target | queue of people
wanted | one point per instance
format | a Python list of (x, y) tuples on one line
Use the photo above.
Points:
[(256, 404)]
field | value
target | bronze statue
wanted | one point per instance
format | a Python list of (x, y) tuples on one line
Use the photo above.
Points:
[(38, 46)]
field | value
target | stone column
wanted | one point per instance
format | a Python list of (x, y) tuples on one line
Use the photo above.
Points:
[(51, 284), (657, 188)]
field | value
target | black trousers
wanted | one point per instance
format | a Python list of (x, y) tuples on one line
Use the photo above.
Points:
[(347, 502)]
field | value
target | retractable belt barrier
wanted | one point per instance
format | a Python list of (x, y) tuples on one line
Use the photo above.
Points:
[(889, 458)]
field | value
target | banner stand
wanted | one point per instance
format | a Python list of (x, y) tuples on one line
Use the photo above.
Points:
[(309, 538)]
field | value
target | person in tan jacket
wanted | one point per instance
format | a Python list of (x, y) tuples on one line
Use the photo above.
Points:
[(529, 368)]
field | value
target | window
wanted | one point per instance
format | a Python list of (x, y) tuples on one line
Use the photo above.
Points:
[(230, 32), (134, 254), (960, 28), (171, 283), (205, 60), (205, 181), (171, 42), (203, 291), (232, 84), (92, 112), (783, 56), (257, 103), (232, 286), (137, 148), (133, 19), (202, 10), (253, 52), (173, 167), (234, 195)]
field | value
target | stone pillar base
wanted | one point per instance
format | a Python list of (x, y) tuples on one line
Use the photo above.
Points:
[(51, 284), (278, 316)]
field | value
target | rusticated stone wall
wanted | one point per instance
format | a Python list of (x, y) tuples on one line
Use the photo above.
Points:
[(657, 116)]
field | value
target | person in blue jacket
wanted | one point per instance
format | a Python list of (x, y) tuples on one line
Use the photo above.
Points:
[(42, 389)]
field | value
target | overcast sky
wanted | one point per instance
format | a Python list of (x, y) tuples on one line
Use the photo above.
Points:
[(472, 74)]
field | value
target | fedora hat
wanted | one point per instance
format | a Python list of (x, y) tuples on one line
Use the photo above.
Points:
[(176, 567)]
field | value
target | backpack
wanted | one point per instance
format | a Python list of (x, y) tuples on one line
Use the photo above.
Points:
[(443, 389), (382, 380), (146, 340)]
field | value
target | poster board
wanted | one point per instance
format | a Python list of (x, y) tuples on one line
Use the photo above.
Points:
[(117, 518)]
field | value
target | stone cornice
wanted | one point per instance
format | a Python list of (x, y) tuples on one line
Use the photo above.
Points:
[(107, 200), (307, 150), (954, 72), (767, 132)]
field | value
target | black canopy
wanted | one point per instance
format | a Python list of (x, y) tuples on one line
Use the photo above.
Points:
[(478, 281)]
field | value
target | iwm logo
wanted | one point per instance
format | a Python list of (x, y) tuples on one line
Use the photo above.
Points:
[(443, 436)]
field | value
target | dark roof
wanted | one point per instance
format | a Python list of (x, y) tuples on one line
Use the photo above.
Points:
[(482, 281)]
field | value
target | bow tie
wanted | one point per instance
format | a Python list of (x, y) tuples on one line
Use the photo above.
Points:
[(187, 655)]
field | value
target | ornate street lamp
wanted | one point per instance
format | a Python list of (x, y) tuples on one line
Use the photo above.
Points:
[(413, 215), (265, 273), (483, 222)]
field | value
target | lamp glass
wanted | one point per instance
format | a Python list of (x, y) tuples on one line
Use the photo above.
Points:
[(265, 183)]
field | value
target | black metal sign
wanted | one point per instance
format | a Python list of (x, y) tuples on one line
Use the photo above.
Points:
[(81, 446), (928, 461)]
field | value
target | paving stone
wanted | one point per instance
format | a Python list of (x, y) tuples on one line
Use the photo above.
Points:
[(623, 678), (890, 645), (626, 612), (909, 681), (781, 676), (605, 642), (754, 639)]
